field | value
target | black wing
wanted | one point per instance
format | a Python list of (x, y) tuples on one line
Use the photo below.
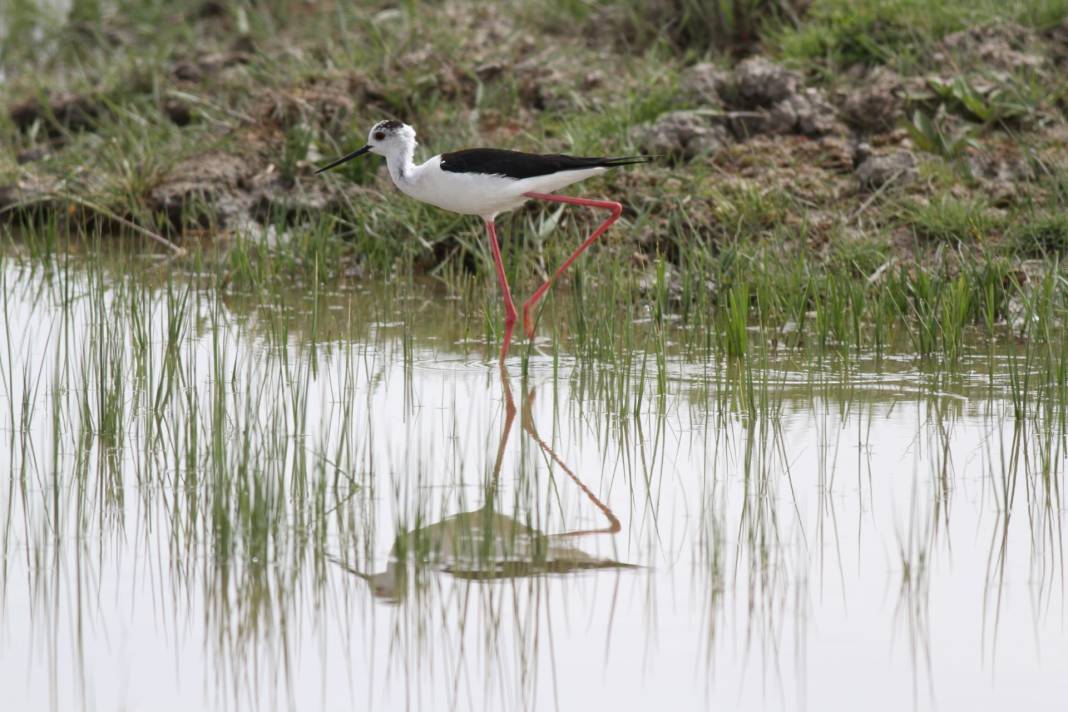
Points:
[(515, 164)]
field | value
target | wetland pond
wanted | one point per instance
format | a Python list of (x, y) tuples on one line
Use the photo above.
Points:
[(338, 502)]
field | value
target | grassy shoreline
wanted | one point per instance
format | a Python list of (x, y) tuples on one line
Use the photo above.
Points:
[(911, 168)]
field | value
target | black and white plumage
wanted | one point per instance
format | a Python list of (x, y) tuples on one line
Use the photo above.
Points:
[(477, 181)]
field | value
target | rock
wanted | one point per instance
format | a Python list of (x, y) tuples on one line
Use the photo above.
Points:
[(179, 112), (759, 82), (490, 71), (807, 112), (815, 115), (878, 170), (877, 104), (771, 101), (703, 84), (682, 134)]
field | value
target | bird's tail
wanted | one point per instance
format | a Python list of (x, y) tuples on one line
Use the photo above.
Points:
[(625, 160)]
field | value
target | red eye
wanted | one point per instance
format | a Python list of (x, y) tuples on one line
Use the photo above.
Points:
[(379, 136)]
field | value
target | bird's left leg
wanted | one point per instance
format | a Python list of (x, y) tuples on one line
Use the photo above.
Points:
[(506, 293), (613, 206)]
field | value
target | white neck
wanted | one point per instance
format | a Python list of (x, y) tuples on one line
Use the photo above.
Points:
[(400, 163)]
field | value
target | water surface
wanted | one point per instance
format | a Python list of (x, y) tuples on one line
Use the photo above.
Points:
[(339, 501)]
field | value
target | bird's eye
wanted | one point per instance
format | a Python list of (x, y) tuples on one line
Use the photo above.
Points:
[(379, 136)]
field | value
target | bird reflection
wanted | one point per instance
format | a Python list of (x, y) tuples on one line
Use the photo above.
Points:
[(484, 544)]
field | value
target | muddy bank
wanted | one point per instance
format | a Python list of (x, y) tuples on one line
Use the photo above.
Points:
[(860, 144)]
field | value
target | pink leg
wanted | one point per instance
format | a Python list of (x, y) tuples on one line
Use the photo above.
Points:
[(506, 293), (616, 209)]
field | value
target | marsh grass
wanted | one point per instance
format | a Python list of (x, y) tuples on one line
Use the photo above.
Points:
[(164, 400)]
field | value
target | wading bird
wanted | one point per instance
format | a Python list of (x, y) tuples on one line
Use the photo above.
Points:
[(488, 181)]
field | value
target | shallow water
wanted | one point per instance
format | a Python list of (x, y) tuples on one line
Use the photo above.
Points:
[(203, 496)]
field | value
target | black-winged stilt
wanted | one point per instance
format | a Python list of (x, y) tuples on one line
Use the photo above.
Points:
[(488, 181)]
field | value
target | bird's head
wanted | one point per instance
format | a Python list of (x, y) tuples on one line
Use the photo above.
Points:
[(386, 138)]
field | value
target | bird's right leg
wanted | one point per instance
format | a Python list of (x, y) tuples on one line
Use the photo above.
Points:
[(616, 210), (506, 293)]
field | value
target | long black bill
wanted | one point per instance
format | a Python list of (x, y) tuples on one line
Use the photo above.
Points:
[(349, 157)]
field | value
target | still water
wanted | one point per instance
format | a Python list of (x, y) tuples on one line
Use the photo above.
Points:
[(340, 502)]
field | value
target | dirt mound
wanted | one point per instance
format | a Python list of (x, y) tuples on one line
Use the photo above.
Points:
[(682, 134), (200, 190), (759, 82), (758, 98), (876, 102), (878, 170), (704, 84)]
